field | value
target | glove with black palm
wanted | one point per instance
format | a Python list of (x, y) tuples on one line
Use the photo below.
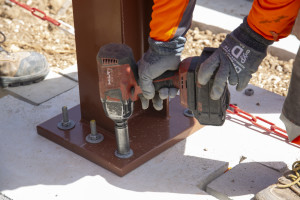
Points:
[(235, 60)]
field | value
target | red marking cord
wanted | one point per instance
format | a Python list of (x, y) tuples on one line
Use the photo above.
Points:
[(42, 15), (37, 13), (255, 119)]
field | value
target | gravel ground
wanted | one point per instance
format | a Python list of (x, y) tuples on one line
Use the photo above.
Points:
[(26, 32)]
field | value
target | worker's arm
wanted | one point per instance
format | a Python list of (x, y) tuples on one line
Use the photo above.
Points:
[(170, 21), (273, 19), (242, 51)]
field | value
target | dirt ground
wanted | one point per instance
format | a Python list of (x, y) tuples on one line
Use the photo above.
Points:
[(26, 32)]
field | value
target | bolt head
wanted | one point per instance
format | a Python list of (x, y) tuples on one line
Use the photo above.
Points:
[(66, 125), (94, 138), (124, 156), (249, 92), (188, 113)]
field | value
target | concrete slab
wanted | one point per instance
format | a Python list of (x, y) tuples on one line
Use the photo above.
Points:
[(242, 182), (225, 15), (273, 148), (70, 72), (238, 138), (33, 167), (261, 102), (53, 85)]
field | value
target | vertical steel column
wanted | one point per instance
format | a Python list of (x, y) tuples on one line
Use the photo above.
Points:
[(98, 22)]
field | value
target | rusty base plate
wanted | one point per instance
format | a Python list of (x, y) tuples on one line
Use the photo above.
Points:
[(149, 136)]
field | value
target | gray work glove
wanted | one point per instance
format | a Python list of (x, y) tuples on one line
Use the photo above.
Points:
[(160, 57), (235, 60)]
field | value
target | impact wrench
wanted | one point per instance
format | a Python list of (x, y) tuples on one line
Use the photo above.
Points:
[(118, 84)]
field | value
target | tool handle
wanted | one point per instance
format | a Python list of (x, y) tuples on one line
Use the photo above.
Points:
[(169, 79)]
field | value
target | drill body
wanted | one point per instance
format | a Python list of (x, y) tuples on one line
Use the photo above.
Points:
[(118, 83)]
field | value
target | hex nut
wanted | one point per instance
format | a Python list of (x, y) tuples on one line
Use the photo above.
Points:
[(249, 92)]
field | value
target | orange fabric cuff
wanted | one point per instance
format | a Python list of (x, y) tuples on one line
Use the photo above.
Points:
[(273, 19), (166, 17)]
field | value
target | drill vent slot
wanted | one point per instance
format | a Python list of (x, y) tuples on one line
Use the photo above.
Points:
[(109, 61)]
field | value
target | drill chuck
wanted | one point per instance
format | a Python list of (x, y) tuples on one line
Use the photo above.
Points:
[(122, 138)]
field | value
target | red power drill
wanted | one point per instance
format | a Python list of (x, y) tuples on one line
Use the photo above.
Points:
[(118, 84)]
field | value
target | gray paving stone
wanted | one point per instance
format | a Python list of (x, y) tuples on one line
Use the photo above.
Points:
[(53, 85), (3, 93), (70, 72), (243, 181), (278, 166)]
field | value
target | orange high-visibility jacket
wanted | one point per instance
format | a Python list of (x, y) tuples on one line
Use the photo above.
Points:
[(273, 19)]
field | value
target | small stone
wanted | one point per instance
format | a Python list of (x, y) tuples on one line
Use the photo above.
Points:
[(199, 52), (279, 68), (55, 5), (196, 29), (242, 158), (197, 37), (206, 42), (208, 32), (258, 104), (287, 68), (291, 61), (273, 65)]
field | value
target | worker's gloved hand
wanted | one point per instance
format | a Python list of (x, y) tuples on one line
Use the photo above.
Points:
[(235, 60), (160, 57)]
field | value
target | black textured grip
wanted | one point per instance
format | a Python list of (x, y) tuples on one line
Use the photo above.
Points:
[(166, 74), (206, 110), (159, 82), (163, 82)]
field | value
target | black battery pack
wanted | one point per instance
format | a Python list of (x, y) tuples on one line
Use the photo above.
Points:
[(206, 110)]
